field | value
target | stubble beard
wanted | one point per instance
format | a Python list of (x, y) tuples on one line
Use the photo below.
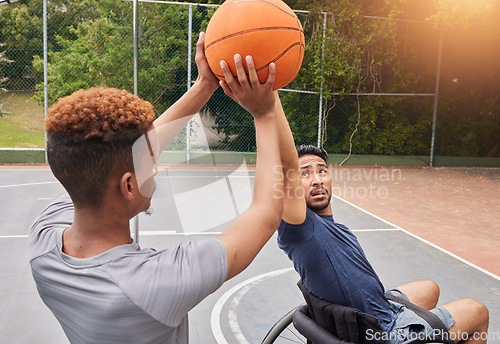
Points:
[(320, 205)]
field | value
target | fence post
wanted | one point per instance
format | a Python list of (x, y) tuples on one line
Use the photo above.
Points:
[(45, 70), (436, 95), (320, 116), (136, 53), (190, 52), (136, 89)]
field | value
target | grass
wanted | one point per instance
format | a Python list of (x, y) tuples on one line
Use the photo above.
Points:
[(22, 125)]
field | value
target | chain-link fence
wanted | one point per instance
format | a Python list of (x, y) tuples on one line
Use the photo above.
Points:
[(380, 125), (91, 43)]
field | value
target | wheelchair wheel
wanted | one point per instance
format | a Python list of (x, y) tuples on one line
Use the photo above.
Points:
[(283, 331)]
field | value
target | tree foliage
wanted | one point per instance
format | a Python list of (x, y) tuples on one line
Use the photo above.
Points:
[(367, 47), (390, 46), (100, 53)]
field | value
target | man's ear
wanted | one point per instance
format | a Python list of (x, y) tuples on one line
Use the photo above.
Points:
[(127, 186)]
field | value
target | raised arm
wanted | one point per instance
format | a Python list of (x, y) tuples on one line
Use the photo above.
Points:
[(245, 237), (294, 204), (171, 122)]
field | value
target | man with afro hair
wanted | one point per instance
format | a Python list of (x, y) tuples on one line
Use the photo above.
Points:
[(102, 146)]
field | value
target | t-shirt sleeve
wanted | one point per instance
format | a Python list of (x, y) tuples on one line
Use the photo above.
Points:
[(57, 215), (169, 283), (296, 234)]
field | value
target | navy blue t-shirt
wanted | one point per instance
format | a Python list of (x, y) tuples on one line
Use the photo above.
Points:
[(333, 266)]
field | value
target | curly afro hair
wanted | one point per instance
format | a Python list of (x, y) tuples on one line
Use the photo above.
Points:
[(98, 114), (90, 134)]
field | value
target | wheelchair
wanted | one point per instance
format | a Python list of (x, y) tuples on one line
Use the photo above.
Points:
[(308, 323), (283, 331)]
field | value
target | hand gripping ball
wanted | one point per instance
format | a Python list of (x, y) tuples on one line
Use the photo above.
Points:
[(267, 30)]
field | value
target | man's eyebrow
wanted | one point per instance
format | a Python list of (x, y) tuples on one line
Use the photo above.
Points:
[(305, 167)]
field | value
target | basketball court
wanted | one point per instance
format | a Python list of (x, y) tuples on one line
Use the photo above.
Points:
[(194, 203)]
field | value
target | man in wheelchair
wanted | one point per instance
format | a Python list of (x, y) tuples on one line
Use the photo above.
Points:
[(334, 268)]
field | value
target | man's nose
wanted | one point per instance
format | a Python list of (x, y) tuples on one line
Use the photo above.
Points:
[(316, 179)]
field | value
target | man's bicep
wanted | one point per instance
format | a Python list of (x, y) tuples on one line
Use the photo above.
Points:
[(246, 236), (169, 283)]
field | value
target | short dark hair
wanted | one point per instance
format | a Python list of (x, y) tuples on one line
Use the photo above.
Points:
[(90, 134), (312, 150)]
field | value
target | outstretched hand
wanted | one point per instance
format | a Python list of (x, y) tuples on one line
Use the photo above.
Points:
[(246, 90), (205, 74)]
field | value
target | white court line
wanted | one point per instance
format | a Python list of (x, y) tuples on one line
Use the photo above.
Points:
[(423, 240), (145, 233), (152, 233), (160, 233), (214, 176), (167, 233), (173, 233), (28, 184), (376, 230), (216, 312), (157, 177), (232, 317)]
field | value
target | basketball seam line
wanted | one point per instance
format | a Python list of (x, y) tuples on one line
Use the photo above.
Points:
[(252, 30), (274, 60), (270, 4)]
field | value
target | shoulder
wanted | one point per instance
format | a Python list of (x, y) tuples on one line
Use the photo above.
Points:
[(56, 217), (185, 255), (297, 233), (198, 255), (184, 264), (310, 216)]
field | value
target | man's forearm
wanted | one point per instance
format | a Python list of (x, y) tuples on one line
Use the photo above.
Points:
[(248, 233), (197, 96), (294, 205), (268, 187), (173, 120), (288, 153), (189, 104)]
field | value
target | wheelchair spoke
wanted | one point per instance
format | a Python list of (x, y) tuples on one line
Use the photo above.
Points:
[(286, 339), (290, 335), (284, 332)]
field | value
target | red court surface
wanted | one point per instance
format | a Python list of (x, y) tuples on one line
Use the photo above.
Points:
[(457, 209)]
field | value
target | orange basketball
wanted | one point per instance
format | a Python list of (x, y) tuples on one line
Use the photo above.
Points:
[(267, 30)]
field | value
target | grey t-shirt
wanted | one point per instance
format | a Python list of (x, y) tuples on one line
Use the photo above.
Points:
[(126, 294)]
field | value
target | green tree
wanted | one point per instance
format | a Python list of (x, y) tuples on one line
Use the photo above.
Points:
[(21, 28), (3, 60), (364, 53), (468, 116), (3, 79), (90, 44), (358, 55), (21, 31), (98, 52)]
